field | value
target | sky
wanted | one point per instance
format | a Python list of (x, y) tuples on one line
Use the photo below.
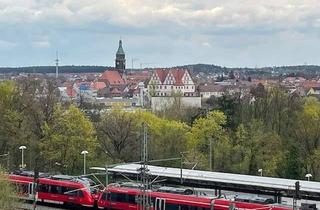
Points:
[(160, 33)]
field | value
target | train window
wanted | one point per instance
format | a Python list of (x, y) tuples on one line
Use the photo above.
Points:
[(120, 197), (185, 207), (44, 188), (172, 207), (56, 189), (131, 199), (80, 194), (64, 189), (113, 196), (123, 198), (70, 191), (104, 196)]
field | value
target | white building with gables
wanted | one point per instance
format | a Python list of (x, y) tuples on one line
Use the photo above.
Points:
[(166, 82)]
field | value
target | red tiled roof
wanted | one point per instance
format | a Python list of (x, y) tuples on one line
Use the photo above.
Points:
[(176, 73), (71, 92), (113, 77), (98, 85), (162, 74), (310, 84)]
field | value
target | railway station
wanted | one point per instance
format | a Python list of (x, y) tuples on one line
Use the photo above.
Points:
[(277, 187)]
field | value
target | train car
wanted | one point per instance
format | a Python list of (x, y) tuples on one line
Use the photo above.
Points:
[(253, 199), (54, 191), (126, 198)]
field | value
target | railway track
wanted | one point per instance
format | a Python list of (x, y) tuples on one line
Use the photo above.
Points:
[(44, 206)]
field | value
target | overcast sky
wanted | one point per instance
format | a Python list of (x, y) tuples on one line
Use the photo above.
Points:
[(160, 32)]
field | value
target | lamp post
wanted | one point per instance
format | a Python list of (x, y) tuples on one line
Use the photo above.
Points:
[(210, 154), (22, 148), (260, 171), (308, 176), (84, 153)]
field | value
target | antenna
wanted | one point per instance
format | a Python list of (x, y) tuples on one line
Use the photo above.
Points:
[(57, 65), (132, 62), (145, 199)]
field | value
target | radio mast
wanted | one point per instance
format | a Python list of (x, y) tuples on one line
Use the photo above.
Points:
[(57, 65)]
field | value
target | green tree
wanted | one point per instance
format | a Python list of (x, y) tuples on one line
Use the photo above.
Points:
[(8, 199), (12, 119), (291, 168), (256, 147), (307, 136), (69, 133), (119, 135), (204, 130), (167, 138)]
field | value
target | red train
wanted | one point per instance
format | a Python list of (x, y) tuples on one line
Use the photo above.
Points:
[(66, 192), (61, 190), (127, 198)]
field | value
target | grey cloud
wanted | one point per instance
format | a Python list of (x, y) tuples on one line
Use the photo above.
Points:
[(145, 13), (169, 32)]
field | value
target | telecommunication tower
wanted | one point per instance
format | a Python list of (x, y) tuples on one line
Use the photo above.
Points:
[(57, 65)]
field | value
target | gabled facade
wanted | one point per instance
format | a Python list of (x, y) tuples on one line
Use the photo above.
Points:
[(164, 82), (314, 91)]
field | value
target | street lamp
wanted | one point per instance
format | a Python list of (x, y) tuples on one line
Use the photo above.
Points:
[(84, 153), (308, 176), (260, 171), (22, 148)]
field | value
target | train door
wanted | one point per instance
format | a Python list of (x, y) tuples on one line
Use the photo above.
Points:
[(160, 204), (31, 191)]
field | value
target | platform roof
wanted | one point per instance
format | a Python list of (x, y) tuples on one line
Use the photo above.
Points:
[(208, 176)]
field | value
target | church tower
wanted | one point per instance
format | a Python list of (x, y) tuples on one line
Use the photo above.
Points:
[(120, 59)]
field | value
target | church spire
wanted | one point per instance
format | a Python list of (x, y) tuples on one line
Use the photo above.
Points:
[(120, 58), (120, 49)]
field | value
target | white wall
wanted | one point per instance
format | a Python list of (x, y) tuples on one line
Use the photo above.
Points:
[(161, 103)]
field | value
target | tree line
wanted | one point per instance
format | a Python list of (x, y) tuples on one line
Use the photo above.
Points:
[(271, 130), (52, 69)]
